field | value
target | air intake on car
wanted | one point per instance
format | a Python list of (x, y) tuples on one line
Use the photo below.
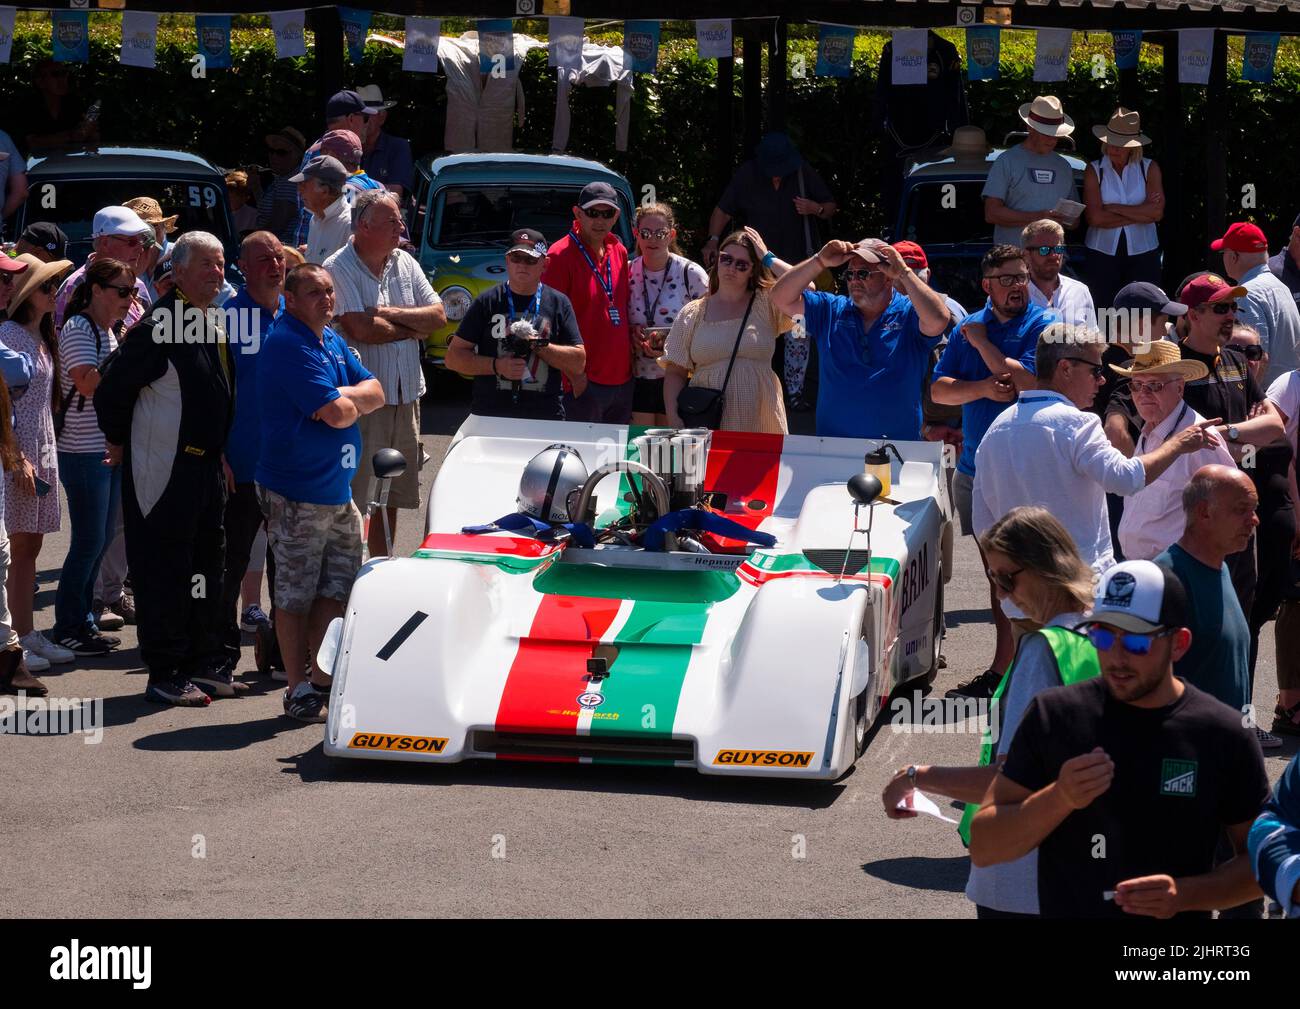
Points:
[(536, 744)]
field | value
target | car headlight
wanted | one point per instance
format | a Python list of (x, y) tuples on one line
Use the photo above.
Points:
[(456, 301)]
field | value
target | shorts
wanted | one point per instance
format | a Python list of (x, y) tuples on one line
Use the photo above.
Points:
[(317, 549), (390, 427), (963, 493), (600, 404), (648, 396)]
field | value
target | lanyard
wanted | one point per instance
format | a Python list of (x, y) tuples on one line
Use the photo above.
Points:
[(606, 282), (534, 310), (663, 284), (1177, 420)]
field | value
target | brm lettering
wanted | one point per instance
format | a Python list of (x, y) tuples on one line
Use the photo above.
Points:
[(916, 576)]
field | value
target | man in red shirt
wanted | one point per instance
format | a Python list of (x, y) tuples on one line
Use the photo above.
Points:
[(589, 265)]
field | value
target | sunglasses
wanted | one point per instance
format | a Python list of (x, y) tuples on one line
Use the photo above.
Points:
[(604, 213), (1253, 351), (7, 279), (1151, 387), (1222, 308), (1135, 644), (658, 235), (736, 263), (523, 259), (1097, 370), (49, 287), (1050, 250), (1009, 279), (1005, 580), (134, 241), (123, 290), (862, 274)]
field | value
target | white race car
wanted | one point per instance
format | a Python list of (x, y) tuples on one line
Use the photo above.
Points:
[(713, 610)]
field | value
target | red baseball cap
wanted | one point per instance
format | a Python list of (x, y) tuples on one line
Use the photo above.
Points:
[(1210, 289), (11, 265), (913, 255), (1241, 237)]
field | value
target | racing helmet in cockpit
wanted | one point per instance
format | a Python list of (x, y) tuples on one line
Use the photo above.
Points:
[(548, 480)]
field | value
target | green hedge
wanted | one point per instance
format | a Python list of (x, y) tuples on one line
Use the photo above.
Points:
[(673, 143)]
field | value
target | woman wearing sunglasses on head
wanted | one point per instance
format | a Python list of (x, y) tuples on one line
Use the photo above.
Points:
[(92, 484), (1032, 561), (1124, 196), (723, 343), (31, 503), (661, 281)]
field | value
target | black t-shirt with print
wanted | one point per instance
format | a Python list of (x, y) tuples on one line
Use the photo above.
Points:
[(1182, 773), (539, 399)]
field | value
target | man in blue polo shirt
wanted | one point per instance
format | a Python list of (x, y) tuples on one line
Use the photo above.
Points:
[(988, 362), (249, 315), (311, 389), (873, 344)]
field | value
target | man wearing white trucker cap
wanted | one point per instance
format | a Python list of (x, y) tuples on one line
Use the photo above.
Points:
[(118, 233), (1137, 766), (1026, 181)]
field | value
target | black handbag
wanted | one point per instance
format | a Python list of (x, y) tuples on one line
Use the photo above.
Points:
[(700, 406)]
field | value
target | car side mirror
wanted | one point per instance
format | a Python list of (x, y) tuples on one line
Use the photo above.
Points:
[(864, 488)]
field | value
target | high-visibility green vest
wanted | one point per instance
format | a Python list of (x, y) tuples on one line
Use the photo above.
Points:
[(1076, 661)]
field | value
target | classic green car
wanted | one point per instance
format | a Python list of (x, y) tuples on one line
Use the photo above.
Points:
[(467, 206)]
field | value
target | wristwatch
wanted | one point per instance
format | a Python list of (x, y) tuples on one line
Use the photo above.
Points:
[(911, 774), (1234, 433)]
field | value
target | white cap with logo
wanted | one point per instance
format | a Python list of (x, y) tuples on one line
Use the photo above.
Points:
[(1140, 596)]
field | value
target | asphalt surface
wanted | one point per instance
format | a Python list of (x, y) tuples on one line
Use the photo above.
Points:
[(233, 811)]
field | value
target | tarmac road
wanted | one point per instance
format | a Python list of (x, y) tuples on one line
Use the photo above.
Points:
[(233, 811)]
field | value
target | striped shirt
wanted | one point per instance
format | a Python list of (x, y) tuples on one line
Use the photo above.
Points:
[(77, 340), (402, 284)]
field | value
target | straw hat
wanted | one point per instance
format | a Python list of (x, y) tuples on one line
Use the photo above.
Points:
[(150, 211), (36, 274), (969, 143), (1123, 130), (1163, 357), (1045, 114)]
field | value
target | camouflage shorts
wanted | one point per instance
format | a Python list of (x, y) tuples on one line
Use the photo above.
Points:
[(317, 549)]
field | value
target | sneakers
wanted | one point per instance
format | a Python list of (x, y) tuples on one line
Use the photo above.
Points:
[(106, 619), (981, 687), (177, 690), (87, 642), (1284, 720), (34, 663), (37, 643), (125, 608), (253, 618), (218, 679), (305, 704), (1267, 741)]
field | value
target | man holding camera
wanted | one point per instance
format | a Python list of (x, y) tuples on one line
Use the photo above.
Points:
[(518, 338)]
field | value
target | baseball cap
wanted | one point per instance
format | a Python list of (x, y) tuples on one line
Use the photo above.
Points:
[(866, 249), (49, 237), (527, 241), (118, 221), (913, 255), (1210, 289), (595, 193), (1241, 236), (1142, 295), (1140, 596), (323, 168), (346, 103), (342, 144), (10, 265), (163, 270)]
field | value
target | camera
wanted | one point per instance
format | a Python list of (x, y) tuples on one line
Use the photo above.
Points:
[(523, 340)]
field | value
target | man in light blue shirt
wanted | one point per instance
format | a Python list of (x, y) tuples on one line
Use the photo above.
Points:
[(1268, 305)]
